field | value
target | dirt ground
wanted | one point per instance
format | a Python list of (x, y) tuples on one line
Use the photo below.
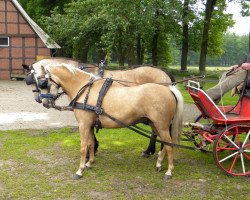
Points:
[(19, 110)]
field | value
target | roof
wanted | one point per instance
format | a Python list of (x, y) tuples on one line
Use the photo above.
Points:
[(44, 36)]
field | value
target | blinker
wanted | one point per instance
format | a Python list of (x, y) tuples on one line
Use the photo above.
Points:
[(43, 84), (30, 79)]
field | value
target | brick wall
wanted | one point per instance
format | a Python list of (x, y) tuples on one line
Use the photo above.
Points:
[(25, 45)]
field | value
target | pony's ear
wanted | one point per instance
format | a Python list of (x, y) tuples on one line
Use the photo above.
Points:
[(43, 70), (26, 67)]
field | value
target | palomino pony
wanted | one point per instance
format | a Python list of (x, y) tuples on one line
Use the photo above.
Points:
[(136, 76), (161, 106)]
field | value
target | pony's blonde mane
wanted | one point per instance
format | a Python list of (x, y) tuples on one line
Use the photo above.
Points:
[(70, 68)]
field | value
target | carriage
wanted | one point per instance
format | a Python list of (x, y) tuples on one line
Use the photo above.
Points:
[(226, 129)]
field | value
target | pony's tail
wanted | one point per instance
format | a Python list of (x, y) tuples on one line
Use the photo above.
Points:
[(177, 122)]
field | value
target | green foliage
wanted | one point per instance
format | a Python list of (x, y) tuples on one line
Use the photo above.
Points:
[(112, 26), (90, 29), (219, 25), (39, 8)]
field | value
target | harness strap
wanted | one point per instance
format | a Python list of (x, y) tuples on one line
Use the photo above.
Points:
[(106, 85), (81, 91), (83, 66), (98, 108)]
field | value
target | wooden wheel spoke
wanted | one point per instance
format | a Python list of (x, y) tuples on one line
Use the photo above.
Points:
[(226, 148), (222, 160), (232, 142), (242, 163), (233, 163), (247, 156), (247, 137)]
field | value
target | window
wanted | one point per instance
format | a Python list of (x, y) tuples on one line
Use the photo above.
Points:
[(4, 41)]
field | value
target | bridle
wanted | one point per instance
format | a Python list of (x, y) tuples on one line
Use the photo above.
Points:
[(42, 82), (45, 82)]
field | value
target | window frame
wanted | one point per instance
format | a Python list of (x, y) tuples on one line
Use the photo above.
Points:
[(2, 45)]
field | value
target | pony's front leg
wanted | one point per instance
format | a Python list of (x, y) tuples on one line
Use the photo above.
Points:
[(91, 148), (85, 135)]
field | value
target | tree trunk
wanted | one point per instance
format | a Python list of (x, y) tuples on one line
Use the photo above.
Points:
[(154, 47), (155, 41), (121, 60), (208, 15), (139, 50), (184, 49), (83, 54), (120, 53)]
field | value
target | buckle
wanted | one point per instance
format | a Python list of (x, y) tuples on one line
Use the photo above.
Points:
[(98, 111)]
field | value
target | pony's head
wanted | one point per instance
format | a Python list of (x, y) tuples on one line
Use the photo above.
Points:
[(64, 76), (34, 73), (48, 86), (31, 79)]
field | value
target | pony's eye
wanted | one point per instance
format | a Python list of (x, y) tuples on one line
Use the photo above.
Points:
[(46, 75)]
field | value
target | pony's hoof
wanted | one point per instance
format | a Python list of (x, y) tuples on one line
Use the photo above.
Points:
[(145, 155), (167, 177), (158, 169), (76, 177)]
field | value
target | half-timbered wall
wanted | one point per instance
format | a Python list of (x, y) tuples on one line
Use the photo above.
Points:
[(24, 44)]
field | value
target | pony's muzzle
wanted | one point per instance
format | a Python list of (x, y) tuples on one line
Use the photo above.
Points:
[(47, 103), (48, 100), (37, 97)]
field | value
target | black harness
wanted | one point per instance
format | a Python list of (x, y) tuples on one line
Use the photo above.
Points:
[(98, 108)]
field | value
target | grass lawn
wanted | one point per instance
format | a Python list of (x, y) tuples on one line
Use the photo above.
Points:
[(37, 164)]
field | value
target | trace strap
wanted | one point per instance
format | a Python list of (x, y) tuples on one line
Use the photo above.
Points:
[(143, 134), (135, 129)]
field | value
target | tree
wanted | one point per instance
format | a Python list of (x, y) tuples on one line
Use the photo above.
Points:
[(209, 11), (124, 29), (210, 4), (185, 35)]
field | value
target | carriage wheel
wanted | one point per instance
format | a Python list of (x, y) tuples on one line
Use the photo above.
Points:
[(232, 150)]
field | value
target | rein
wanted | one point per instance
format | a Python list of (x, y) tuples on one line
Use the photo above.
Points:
[(160, 83)]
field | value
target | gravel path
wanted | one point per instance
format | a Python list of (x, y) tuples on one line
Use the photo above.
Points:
[(18, 110)]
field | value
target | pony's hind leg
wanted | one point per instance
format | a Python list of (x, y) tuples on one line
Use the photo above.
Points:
[(165, 136), (96, 144), (151, 147)]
